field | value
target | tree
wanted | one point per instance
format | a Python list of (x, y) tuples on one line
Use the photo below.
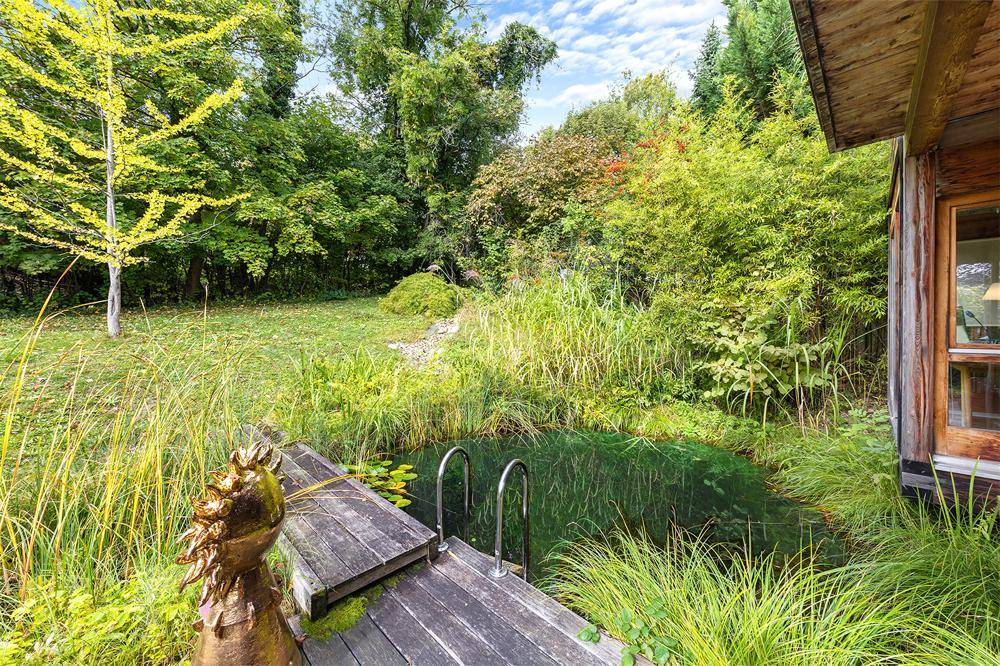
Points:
[(89, 156), (706, 95), (761, 55), (527, 194), (635, 110), (762, 46)]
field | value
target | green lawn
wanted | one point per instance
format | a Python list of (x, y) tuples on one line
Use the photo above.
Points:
[(263, 342)]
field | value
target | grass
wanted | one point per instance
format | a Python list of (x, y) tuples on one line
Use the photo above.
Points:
[(701, 604), (103, 443), (104, 440), (266, 339)]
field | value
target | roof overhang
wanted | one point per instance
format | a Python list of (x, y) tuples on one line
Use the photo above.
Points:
[(885, 68)]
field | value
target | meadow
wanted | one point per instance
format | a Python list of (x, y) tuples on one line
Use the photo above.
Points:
[(654, 267), (104, 442)]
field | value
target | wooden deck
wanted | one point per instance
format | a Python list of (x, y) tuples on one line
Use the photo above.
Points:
[(426, 608), (341, 536), (451, 611)]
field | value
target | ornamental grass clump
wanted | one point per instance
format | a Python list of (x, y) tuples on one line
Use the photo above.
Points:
[(693, 602), (422, 294)]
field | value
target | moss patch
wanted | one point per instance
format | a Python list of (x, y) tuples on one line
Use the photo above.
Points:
[(422, 294), (342, 615)]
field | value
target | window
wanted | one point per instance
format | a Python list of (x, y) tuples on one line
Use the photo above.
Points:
[(977, 277), (968, 347)]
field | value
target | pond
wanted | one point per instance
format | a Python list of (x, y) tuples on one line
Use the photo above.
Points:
[(584, 484)]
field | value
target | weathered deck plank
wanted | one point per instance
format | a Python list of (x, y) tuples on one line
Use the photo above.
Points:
[(491, 626), (329, 652), (341, 536), (402, 517), (329, 520), (359, 509), (439, 621), (370, 646), (555, 614), (521, 618), (409, 637)]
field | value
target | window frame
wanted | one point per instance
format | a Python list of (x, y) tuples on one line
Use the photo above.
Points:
[(949, 439)]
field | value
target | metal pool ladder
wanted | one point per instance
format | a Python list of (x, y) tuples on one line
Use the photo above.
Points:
[(499, 570), (467, 478)]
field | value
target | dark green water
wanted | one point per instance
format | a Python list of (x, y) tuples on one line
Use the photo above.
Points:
[(584, 484)]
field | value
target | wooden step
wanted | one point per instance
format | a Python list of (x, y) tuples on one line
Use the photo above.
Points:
[(341, 536), (452, 611)]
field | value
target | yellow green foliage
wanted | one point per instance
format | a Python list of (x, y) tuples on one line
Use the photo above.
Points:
[(92, 172), (424, 294), (144, 620)]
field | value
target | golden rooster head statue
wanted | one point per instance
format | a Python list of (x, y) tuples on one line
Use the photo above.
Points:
[(236, 523)]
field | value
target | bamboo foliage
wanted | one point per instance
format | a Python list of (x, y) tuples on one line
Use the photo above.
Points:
[(79, 141)]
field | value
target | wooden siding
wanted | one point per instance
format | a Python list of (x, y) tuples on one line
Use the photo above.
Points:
[(969, 154), (893, 322), (916, 298)]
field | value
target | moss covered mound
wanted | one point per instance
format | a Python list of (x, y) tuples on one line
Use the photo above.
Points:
[(422, 293)]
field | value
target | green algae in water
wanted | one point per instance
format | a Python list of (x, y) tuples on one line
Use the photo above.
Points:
[(583, 484)]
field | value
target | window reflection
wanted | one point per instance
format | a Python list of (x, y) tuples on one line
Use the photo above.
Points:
[(974, 396), (977, 276)]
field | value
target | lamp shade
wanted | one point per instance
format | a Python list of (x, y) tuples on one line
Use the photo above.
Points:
[(993, 293)]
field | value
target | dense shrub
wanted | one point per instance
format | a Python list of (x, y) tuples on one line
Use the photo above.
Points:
[(422, 294), (144, 620), (527, 193), (760, 251)]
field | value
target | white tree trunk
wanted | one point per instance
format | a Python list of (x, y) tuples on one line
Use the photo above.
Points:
[(114, 268), (114, 300)]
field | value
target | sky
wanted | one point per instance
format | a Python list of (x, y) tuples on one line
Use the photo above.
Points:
[(599, 40)]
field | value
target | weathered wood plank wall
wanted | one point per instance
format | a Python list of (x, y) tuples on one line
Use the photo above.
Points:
[(916, 308)]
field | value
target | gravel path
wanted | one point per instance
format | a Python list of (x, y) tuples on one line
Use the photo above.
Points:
[(421, 351)]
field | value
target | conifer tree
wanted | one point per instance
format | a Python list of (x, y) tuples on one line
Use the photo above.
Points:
[(706, 94), (82, 144)]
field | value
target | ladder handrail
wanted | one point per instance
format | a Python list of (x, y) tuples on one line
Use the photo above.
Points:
[(467, 475), (498, 570)]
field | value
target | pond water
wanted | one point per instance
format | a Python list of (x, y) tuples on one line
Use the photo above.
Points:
[(584, 484)]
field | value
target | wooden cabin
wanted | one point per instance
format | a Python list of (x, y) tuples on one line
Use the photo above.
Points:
[(926, 74)]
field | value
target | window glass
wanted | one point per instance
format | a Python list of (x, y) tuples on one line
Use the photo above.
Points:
[(977, 276), (974, 395)]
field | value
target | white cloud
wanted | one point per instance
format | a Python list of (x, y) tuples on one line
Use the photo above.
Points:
[(560, 8), (497, 26), (591, 41), (600, 39), (575, 95)]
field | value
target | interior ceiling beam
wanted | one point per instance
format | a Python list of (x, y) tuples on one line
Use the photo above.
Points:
[(951, 30)]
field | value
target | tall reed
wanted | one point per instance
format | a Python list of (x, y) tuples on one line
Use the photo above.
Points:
[(555, 354)]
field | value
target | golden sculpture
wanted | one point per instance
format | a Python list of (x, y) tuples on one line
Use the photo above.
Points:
[(234, 527)]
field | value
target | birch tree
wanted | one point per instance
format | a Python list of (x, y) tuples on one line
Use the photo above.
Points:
[(81, 139)]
